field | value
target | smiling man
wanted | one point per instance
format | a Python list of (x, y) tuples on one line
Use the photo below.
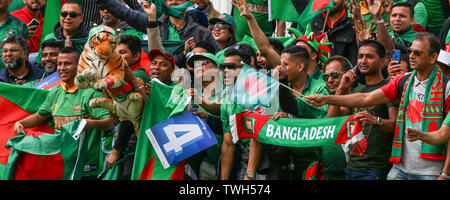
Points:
[(66, 103)]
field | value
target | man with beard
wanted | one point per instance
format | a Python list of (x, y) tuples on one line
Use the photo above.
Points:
[(32, 10), (338, 27), (15, 59)]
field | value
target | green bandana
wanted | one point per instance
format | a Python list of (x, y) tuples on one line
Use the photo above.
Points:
[(432, 117)]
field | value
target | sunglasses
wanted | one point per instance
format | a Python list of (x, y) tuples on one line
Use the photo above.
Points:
[(71, 14), (229, 66), (202, 63), (415, 52), (333, 75), (220, 26)]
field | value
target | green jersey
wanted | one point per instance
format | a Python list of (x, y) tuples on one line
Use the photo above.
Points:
[(66, 106), (435, 14)]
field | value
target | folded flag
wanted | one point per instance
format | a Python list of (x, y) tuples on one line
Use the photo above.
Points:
[(296, 132), (254, 89), (14, 107), (299, 11), (166, 101), (180, 137), (38, 155), (175, 11)]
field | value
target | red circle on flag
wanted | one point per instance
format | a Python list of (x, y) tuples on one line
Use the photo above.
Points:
[(39, 167), (414, 110), (255, 86)]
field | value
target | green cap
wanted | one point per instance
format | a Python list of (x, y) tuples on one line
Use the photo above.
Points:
[(102, 28), (198, 56), (226, 18)]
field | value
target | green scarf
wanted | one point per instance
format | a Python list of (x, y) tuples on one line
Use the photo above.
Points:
[(432, 116), (405, 37)]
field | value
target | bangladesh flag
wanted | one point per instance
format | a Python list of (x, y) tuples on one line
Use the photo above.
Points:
[(163, 102), (38, 155), (16, 103), (254, 89), (296, 132), (314, 171), (299, 11)]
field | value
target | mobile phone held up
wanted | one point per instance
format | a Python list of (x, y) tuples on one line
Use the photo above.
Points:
[(396, 55), (34, 22)]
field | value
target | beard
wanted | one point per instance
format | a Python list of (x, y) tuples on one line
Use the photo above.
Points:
[(15, 64)]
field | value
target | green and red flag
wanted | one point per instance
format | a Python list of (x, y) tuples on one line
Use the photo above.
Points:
[(16, 103), (299, 11), (37, 155), (314, 171), (163, 102), (254, 89), (296, 132)]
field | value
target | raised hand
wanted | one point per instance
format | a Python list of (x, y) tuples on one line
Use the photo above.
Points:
[(241, 5), (361, 30), (374, 7), (149, 9)]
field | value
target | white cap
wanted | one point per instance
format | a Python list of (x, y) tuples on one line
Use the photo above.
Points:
[(444, 57)]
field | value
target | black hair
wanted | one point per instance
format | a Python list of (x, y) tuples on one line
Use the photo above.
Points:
[(133, 43), (52, 43), (70, 50), (13, 38), (345, 64), (381, 51), (276, 45), (206, 45), (73, 2), (404, 4), (244, 51), (298, 52), (435, 45)]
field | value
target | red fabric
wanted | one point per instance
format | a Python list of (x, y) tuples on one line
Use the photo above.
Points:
[(38, 167), (390, 89), (25, 16), (147, 172), (418, 28)]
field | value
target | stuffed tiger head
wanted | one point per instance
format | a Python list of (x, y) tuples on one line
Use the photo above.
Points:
[(103, 41)]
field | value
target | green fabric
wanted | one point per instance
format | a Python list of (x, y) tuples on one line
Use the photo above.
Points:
[(259, 9), (12, 25), (51, 18), (374, 150), (167, 101), (175, 11), (140, 73), (15, 5), (305, 110), (435, 14), (173, 34), (72, 150), (405, 37), (318, 73), (432, 116)]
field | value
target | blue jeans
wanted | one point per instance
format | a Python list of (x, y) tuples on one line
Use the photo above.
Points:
[(397, 174), (364, 174)]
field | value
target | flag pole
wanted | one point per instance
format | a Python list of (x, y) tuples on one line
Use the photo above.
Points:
[(325, 22), (301, 95)]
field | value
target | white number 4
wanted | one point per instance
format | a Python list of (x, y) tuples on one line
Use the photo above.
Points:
[(175, 143)]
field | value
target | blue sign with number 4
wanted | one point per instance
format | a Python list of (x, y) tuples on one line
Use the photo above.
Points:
[(180, 137)]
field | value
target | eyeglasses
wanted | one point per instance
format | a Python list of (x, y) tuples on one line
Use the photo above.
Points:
[(220, 26), (333, 75), (229, 66), (12, 50), (71, 14), (416, 52)]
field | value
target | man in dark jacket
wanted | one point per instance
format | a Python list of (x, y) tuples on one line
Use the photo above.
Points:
[(17, 69), (339, 30)]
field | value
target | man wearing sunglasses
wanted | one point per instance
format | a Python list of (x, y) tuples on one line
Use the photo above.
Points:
[(69, 27), (415, 89)]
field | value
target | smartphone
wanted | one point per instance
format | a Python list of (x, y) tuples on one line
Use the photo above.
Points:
[(34, 22), (396, 55)]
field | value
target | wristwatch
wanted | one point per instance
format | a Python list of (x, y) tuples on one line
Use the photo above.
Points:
[(250, 174), (379, 120), (447, 177), (381, 21)]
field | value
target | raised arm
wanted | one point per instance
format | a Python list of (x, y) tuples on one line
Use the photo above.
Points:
[(258, 35)]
